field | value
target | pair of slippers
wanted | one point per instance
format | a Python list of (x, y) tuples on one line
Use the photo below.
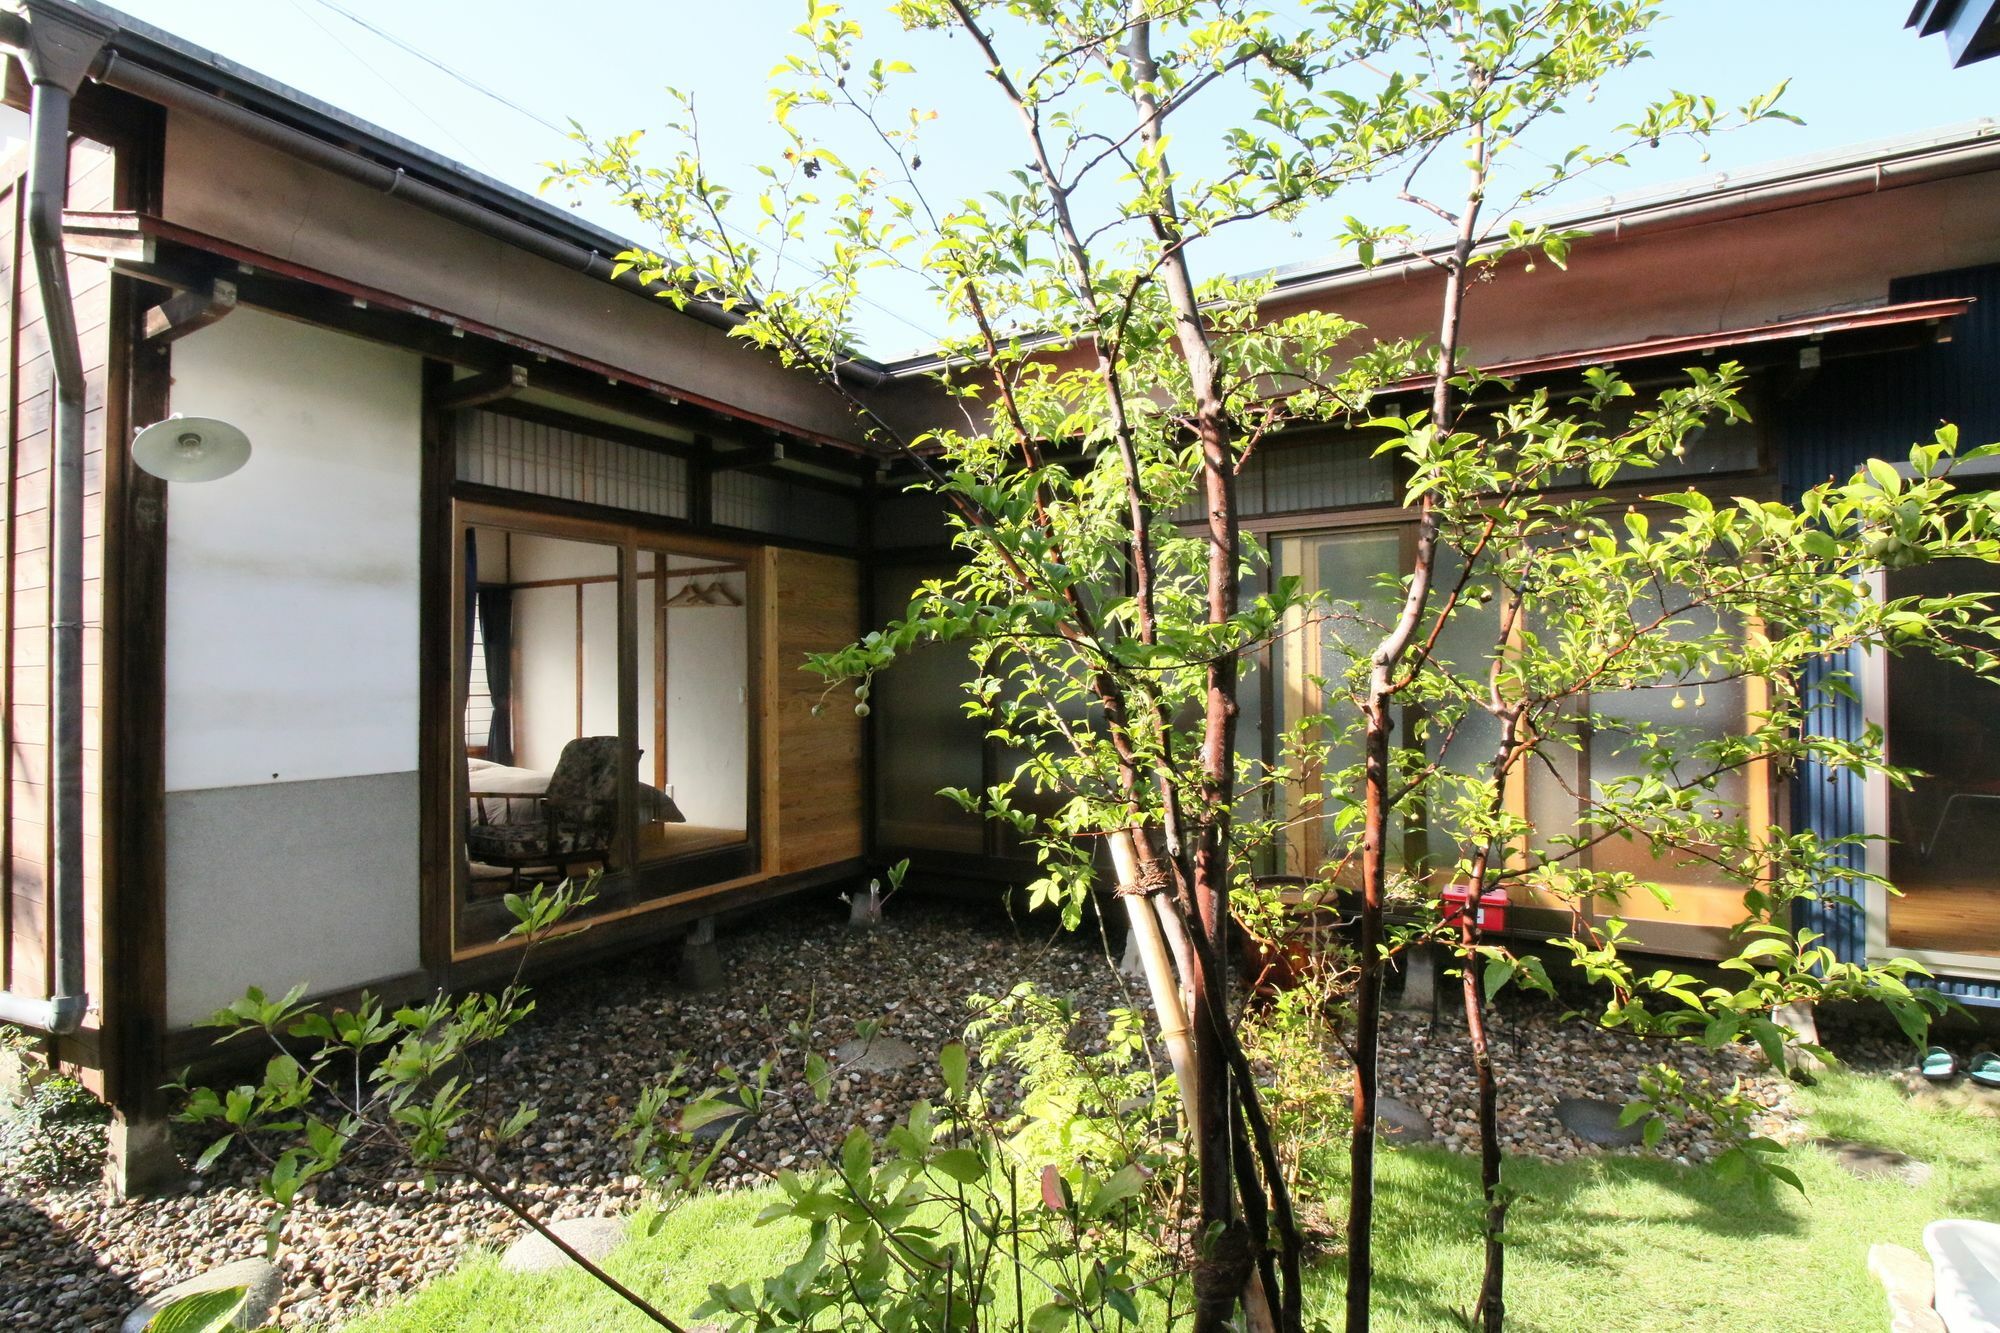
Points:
[(1941, 1066)]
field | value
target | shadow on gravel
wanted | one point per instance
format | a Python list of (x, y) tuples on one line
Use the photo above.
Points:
[(50, 1281)]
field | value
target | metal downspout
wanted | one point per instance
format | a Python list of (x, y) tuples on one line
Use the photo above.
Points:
[(60, 47)]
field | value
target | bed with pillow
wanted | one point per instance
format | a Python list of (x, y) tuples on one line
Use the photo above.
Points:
[(502, 793)]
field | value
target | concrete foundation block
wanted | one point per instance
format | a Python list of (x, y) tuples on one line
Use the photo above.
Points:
[(1798, 1019), (1420, 971), (139, 1160), (701, 962)]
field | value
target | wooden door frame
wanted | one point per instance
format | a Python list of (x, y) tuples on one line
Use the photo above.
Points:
[(445, 786)]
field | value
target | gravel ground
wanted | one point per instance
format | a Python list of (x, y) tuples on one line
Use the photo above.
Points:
[(1538, 1059), (72, 1260)]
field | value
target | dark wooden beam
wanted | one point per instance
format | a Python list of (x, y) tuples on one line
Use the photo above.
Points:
[(483, 388), (762, 455), (185, 312), (440, 766)]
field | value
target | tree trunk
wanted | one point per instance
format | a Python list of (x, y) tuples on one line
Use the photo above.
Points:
[(1492, 1308), (1367, 1018), (1162, 980)]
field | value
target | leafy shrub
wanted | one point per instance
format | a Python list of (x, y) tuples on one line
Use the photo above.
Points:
[(1043, 1192), (53, 1134)]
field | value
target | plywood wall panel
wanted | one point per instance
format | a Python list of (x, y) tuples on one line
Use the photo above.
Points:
[(819, 789)]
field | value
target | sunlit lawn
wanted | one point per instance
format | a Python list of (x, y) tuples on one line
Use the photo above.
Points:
[(1612, 1243)]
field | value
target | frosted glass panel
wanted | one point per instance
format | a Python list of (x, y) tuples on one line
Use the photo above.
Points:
[(1636, 728), (1632, 730), (923, 740)]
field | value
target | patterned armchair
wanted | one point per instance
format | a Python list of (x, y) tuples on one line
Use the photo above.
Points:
[(575, 820)]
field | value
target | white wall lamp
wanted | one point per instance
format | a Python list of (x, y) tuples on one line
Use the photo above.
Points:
[(190, 448)]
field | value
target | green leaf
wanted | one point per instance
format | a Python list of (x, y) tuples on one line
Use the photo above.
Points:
[(955, 1063), (964, 1165), (1771, 1038), (1766, 948), (1054, 1317), (857, 1154), (203, 1312), (1498, 974), (706, 1112), (213, 1151), (1128, 1182)]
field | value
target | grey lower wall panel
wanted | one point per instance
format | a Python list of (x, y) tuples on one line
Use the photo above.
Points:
[(290, 882)]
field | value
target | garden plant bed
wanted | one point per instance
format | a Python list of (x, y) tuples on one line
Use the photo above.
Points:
[(1541, 1059), (71, 1260)]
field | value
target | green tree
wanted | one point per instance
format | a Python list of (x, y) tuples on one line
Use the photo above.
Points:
[(1102, 379)]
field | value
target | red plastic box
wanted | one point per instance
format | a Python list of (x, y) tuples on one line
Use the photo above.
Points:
[(1492, 906)]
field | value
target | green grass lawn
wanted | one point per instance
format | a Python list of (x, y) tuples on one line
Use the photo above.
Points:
[(1612, 1243)]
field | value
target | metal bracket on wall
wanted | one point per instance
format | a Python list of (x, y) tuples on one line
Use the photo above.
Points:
[(183, 313)]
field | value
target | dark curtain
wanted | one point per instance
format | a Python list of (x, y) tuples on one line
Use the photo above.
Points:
[(496, 618), (466, 614)]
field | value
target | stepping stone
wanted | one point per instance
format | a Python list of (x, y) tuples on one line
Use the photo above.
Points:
[(1595, 1121), (881, 1055), (592, 1237), (1869, 1162), (1964, 1096), (1906, 1278), (258, 1276), (1398, 1122)]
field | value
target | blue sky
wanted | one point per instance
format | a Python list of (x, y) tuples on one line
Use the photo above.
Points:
[(1855, 73)]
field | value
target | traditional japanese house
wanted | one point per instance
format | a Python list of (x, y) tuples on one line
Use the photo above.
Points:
[(525, 560)]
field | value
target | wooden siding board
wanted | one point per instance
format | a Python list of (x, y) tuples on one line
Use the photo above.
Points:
[(819, 807), (25, 958)]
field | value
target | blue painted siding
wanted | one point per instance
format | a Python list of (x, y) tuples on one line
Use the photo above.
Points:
[(1879, 406)]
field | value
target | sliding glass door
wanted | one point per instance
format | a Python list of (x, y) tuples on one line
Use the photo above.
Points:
[(693, 632), (604, 679), (1615, 735), (1943, 848)]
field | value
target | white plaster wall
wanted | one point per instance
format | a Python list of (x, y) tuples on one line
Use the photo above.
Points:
[(292, 585), (545, 638), (291, 668), (545, 675), (708, 718), (600, 659)]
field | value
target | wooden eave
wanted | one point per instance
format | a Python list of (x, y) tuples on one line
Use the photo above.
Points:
[(148, 247), (1912, 316)]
